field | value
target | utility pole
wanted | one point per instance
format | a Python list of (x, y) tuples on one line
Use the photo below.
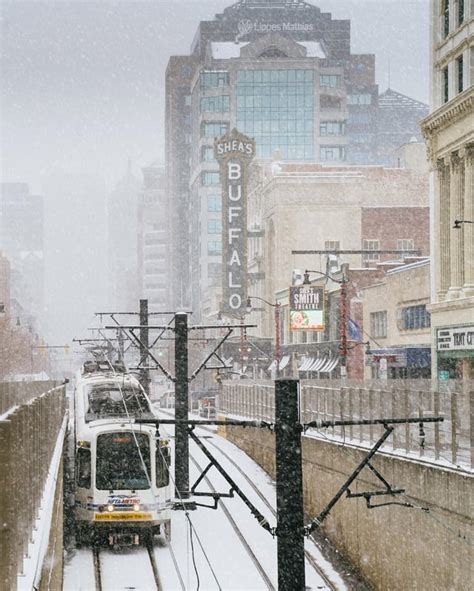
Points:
[(343, 322), (289, 487), (181, 405), (144, 374)]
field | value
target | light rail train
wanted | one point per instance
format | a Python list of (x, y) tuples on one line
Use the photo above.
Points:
[(122, 484)]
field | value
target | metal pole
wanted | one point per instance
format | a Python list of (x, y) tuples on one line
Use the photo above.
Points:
[(343, 326), (242, 344), (289, 487), (181, 405), (277, 339), (144, 373)]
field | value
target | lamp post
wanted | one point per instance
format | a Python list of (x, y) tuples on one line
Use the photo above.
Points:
[(277, 307)]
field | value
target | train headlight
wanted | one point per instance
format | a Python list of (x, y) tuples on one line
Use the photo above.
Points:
[(136, 506), (110, 507)]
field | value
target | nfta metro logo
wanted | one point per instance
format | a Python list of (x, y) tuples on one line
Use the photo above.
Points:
[(234, 152)]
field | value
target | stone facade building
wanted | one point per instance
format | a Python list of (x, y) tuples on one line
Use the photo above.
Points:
[(449, 133)]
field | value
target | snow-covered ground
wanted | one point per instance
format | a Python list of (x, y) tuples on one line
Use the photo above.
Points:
[(205, 552)]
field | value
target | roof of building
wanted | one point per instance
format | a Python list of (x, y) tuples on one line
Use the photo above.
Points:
[(390, 98), (231, 50)]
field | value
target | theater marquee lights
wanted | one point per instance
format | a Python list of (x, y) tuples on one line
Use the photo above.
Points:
[(234, 151)]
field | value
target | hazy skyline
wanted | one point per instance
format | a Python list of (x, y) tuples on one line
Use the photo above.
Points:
[(83, 82)]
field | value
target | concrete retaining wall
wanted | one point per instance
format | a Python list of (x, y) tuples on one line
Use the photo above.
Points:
[(394, 547)]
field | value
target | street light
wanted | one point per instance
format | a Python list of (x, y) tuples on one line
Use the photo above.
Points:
[(457, 223), (277, 307)]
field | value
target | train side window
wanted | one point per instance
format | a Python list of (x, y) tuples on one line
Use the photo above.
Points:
[(163, 461), (83, 474)]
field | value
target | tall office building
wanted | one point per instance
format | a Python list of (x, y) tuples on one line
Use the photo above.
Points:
[(281, 72), (122, 243), (21, 240), (153, 238)]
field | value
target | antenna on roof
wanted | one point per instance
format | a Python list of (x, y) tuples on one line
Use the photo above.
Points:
[(388, 87)]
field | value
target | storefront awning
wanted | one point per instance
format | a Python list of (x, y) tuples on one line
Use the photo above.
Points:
[(322, 363), (402, 356)]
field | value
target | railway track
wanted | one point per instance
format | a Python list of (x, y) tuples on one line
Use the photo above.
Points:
[(309, 557), (258, 565), (103, 582)]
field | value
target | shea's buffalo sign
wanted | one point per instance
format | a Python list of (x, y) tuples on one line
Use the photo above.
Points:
[(234, 151)]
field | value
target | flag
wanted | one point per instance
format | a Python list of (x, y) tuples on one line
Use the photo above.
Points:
[(354, 330)]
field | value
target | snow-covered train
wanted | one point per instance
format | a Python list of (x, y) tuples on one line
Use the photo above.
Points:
[(122, 484)]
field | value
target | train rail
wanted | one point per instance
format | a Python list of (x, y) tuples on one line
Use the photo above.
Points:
[(105, 570), (258, 565), (309, 557)]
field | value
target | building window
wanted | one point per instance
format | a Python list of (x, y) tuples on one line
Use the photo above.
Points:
[(415, 317), (214, 129), (187, 100), (445, 85), (460, 73), (209, 179), (330, 80), (214, 247), (332, 245), (359, 99), (207, 154), (276, 107), (378, 324), (214, 203), (405, 244), (331, 153), (445, 18), (213, 79), (214, 226), (332, 128), (460, 12), (215, 104), (371, 245)]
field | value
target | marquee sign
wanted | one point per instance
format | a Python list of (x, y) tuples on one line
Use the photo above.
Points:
[(234, 151), (455, 338), (306, 308)]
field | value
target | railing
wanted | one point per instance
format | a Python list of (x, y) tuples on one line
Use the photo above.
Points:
[(29, 430), (450, 443)]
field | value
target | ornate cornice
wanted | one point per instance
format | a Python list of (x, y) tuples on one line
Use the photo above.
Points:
[(447, 114)]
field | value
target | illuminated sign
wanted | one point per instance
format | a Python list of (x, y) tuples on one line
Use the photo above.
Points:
[(306, 308), (234, 151)]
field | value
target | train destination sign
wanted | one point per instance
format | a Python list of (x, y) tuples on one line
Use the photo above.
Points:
[(234, 151), (306, 308)]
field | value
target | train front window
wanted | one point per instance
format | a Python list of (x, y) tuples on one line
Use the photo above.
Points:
[(123, 461), (115, 400)]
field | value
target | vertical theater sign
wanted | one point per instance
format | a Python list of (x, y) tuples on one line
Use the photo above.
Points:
[(234, 151)]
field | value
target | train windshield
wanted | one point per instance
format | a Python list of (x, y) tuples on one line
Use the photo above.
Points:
[(123, 461), (116, 400)]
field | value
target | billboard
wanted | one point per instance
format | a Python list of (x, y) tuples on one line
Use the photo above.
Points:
[(306, 308), (234, 151)]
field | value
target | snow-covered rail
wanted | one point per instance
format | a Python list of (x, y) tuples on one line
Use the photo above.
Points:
[(312, 561)]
